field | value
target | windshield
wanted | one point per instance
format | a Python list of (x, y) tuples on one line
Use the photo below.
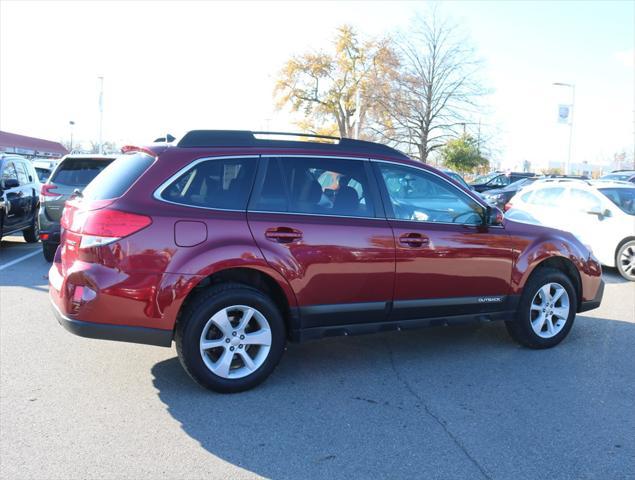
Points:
[(618, 176), (485, 178), (624, 198)]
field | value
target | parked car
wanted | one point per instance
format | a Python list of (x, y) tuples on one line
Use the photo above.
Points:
[(494, 180), (622, 175), (19, 197), (600, 213), (228, 244), (457, 177), (500, 197), (42, 174), (70, 175)]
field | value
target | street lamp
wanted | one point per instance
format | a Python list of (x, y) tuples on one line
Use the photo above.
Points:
[(101, 112), (572, 87), (71, 123)]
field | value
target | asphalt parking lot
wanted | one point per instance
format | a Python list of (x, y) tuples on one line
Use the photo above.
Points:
[(462, 402)]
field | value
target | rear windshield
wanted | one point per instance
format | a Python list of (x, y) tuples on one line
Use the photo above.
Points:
[(622, 197), (118, 177), (79, 172)]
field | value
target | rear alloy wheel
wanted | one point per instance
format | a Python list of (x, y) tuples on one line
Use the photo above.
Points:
[(230, 337), (32, 234), (235, 342), (625, 260), (546, 310)]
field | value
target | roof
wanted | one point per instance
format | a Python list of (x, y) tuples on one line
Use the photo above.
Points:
[(14, 143), (271, 140)]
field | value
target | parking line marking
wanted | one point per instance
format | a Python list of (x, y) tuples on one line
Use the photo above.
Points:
[(19, 259)]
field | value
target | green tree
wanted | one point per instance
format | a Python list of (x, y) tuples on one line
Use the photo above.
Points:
[(335, 91), (462, 154)]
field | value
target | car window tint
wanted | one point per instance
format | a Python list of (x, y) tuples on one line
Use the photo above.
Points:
[(421, 196), (216, 183), (9, 172), (114, 180), (499, 181), (548, 197), (624, 198), (78, 172), (315, 186), (584, 201), (23, 176)]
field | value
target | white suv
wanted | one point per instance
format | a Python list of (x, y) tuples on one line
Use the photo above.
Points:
[(600, 213)]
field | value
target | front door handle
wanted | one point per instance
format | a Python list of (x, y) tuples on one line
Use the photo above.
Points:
[(283, 234), (413, 239)]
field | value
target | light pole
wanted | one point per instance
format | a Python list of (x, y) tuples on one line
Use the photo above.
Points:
[(101, 112), (71, 123), (572, 87)]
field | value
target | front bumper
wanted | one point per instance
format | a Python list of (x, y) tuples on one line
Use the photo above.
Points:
[(597, 300), (119, 333)]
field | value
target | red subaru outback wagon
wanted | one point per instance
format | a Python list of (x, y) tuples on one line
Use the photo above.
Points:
[(230, 244)]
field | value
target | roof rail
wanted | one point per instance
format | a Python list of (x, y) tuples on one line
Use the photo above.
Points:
[(559, 179), (247, 138)]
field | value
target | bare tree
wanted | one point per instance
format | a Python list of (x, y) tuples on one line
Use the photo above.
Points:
[(434, 94)]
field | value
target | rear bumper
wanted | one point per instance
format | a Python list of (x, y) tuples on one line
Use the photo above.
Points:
[(597, 300), (119, 333)]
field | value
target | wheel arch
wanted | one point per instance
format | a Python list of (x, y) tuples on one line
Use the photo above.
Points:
[(252, 277), (566, 266)]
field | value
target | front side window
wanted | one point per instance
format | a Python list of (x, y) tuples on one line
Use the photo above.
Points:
[(318, 186), (222, 183), (624, 198), (421, 196)]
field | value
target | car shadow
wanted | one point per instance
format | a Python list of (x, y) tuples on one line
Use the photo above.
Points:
[(431, 403), (611, 275)]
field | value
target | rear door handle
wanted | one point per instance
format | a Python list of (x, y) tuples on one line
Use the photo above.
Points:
[(413, 239), (283, 234)]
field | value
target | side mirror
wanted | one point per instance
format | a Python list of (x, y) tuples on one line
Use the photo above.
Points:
[(494, 216), (10, 183), (599, 213)]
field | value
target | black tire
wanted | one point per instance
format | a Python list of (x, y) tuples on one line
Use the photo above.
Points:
[(32, 234), (48, 250), (196, 315), (622, 267), (521, 329)]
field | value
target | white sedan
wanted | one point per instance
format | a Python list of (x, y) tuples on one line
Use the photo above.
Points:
[(600, 213)]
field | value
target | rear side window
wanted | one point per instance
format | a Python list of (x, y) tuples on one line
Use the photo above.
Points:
[(222, 183), (78, 172), (114, 180), (315, 186), (549, 197)]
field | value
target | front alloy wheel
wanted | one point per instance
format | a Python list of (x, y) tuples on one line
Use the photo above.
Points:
[(549, 310), (546, 310), (626, 261)]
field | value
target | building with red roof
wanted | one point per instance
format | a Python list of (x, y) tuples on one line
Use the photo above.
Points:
[(30, 146)]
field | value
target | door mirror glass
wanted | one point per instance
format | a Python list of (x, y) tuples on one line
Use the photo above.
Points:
[(494, 216)]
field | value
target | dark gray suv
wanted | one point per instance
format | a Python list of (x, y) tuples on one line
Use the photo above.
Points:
[(72, 173)]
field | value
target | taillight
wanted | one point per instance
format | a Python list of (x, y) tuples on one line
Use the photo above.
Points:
[(507, 206), (48, 193), (101, 227)]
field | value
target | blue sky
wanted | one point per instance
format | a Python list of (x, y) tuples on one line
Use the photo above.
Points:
[(176, 66)]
